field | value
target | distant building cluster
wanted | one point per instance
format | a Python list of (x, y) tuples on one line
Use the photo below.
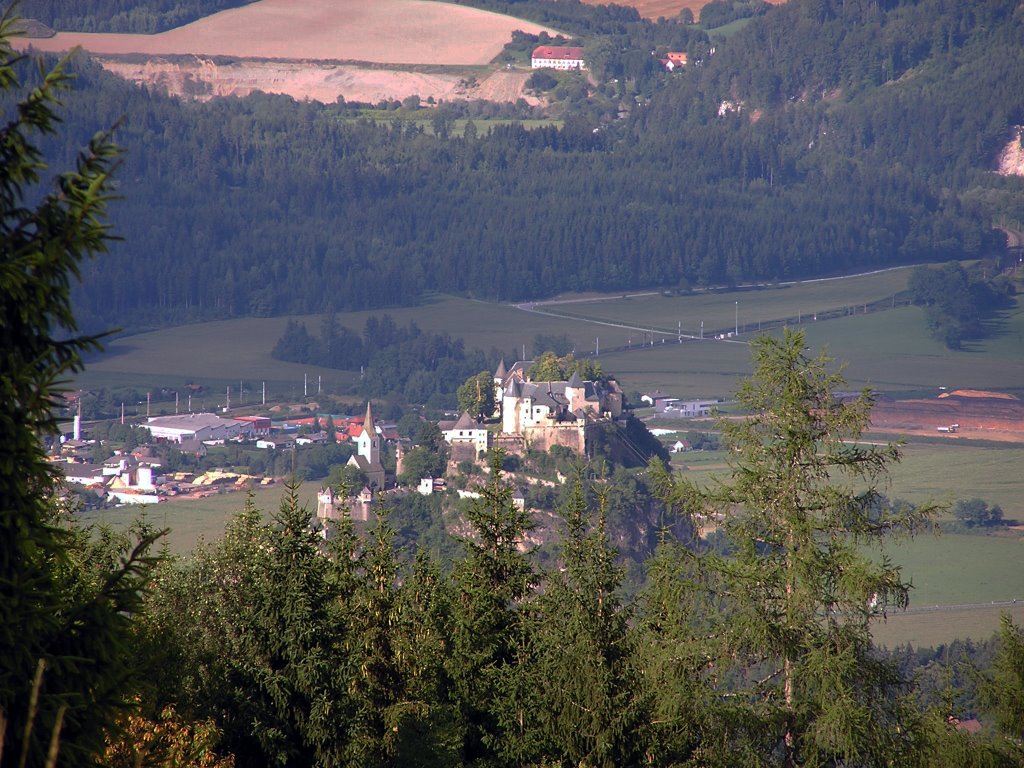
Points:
[(138, 477)]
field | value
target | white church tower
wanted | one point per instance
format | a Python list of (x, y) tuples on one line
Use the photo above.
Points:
[(368, 441)]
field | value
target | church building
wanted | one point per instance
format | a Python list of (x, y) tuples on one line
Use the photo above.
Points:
[(367, 456)]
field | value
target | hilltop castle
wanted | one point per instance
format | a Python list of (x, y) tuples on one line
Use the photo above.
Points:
[(537, 414)]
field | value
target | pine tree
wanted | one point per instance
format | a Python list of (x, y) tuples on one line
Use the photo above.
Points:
[(490, 584), (262, 622), (426, 726), (591, 706), (377, 686), (65, 615), (800, 593)]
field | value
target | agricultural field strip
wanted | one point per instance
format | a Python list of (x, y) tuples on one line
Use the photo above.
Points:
[(963, 606), (549, 307), (624, 326)]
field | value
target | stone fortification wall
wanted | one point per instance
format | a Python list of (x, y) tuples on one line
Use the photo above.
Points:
[(571, 436)]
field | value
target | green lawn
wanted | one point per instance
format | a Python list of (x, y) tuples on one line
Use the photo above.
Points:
[(888, 350), (220, 353), (955, 569), (949, 472)]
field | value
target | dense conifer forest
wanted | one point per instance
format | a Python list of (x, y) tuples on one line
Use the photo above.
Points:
[(823, 137)]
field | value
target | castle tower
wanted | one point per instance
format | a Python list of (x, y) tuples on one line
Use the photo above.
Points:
[(325, 504)]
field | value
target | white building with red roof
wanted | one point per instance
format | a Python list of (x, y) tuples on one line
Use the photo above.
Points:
[(557, 57)]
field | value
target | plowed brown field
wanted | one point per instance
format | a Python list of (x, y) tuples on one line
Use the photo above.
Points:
[(382, 31), (978, 417), (311, 49)]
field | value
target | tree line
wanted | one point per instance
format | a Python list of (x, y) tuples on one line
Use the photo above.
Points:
[(958, 301), (145, 17), (415, 366)]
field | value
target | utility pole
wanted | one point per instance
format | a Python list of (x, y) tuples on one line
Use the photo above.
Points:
[(148, 394), (305, 385), (737, 333), (264, 393), (175, 403)]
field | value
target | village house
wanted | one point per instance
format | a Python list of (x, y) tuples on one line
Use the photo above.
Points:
[(557, 57), (673, 60)]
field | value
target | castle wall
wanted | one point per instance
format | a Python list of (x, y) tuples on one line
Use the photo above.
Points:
[(571, 436)]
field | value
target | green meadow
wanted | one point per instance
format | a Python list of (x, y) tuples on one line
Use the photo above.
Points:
[(928, 472), (940, 627), (192, 521), (746, 307)]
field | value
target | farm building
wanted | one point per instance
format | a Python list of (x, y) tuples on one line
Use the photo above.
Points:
[(674, 60), (557, 57), (194, 426)]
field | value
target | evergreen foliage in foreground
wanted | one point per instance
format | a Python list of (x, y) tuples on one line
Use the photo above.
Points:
[(65, 603)]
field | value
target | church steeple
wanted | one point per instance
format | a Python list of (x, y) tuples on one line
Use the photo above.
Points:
[(368, 420), (368, 440)]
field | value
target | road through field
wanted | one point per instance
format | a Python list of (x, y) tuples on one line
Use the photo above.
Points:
[(721, 335)]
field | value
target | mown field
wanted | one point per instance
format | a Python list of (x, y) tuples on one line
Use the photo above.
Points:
[(946, 569)]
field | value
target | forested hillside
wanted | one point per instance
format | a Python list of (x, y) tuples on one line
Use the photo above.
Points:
[(144, 16), (855, 135)]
